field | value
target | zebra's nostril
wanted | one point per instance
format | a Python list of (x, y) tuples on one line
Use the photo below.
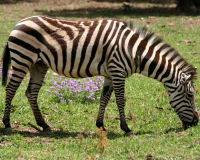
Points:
[(194, 122)]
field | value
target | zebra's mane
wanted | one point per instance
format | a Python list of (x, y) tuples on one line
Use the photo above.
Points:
[(128, 24), (185, 67)]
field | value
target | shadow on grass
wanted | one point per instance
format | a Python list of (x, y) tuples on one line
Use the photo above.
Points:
[(136, 1), (60, 134), (143, 133), (66, 134), (15, 1), (176, 130), (91, 12), (170, 130)]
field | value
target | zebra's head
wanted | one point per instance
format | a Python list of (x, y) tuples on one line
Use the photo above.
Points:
[(181, 97)]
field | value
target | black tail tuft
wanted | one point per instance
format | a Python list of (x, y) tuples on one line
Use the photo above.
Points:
[(6, 63)]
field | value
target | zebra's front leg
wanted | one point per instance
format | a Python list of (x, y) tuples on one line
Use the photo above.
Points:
[(105, 97), (119, 85), (37, 73)]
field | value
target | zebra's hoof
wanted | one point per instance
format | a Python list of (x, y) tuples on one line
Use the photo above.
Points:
[(8, 131), (129, 134), (48, 129)]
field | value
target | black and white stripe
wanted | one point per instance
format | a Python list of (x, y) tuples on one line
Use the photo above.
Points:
[(108, 48)]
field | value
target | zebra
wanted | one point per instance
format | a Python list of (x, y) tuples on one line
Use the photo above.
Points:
[(100, 47)]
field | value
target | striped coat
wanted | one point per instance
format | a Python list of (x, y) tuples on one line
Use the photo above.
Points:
[(103, 47)]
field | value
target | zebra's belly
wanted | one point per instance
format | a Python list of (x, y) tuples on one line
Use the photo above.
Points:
[(83, 72), (79, 73)]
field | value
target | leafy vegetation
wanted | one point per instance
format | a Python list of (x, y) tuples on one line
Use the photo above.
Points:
[(158, 132)]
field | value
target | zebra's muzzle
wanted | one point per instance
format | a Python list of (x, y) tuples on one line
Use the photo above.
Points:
[(194, 122)]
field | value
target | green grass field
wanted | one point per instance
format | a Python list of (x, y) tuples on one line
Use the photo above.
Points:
[(158, 133)]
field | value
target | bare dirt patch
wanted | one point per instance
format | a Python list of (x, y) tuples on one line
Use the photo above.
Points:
[(82, 9)]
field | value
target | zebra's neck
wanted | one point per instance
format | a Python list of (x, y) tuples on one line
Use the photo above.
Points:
[(158, 62), (156, 59)]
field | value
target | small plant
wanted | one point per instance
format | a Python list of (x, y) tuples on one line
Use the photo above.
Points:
[(103, 140), (84, 90)]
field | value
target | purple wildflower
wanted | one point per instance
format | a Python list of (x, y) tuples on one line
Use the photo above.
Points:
[(54, 83), (70, 89)]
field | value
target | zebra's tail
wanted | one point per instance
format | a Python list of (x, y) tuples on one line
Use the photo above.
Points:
[(5, 65)]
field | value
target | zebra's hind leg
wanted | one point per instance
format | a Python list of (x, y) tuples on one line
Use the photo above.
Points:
[(14, 83), (105, 97), (37, 74), (119, 85)]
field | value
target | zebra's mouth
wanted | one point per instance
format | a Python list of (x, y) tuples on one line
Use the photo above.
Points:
[(194, 122)]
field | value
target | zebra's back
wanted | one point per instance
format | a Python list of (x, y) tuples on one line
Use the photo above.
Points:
[(70, 48)]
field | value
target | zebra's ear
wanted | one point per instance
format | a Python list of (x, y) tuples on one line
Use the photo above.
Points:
[(184, 78)]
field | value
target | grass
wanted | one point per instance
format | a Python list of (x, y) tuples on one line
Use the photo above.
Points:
[(158, 133)]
